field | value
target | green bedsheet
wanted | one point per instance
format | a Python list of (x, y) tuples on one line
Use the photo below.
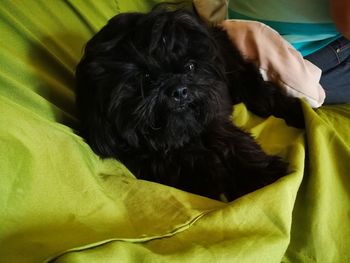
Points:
[(60, 202)]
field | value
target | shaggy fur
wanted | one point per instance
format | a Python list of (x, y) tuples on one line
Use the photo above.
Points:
[(156, 90)]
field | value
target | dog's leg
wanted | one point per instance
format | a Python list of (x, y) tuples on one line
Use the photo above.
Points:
[(247, 85), (265, 98)]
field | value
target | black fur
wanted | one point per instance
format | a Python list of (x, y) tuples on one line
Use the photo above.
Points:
[(156, 90)]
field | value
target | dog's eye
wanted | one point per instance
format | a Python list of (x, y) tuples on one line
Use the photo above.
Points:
[(189, 66), (147, 77)]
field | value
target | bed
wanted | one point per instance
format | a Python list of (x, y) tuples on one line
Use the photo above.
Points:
[(59, 202)]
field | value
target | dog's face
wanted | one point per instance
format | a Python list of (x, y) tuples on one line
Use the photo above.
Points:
[(149, 80)]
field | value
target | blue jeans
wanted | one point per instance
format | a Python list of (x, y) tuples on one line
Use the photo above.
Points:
[(334, 61)]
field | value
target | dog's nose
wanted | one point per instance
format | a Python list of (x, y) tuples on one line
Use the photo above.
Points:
[(180, 93)]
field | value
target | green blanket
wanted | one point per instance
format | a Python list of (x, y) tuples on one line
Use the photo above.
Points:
[(60, 202)]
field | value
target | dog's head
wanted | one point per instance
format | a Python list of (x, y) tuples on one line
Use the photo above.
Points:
[(149, 80)]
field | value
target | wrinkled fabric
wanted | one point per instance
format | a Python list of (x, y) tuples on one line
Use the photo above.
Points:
[(59, 202)]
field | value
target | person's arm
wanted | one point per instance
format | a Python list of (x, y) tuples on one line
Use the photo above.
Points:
[(340, 11)]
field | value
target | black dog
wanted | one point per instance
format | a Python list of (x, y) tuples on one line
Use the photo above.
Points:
[(156, 90)]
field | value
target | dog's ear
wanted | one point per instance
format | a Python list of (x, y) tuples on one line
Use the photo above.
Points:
[(90, 88), (105, 136), (93, 86)]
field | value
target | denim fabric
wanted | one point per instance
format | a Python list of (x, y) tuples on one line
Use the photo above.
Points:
[(334, 61)]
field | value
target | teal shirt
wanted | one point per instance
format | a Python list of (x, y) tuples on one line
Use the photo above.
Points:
[(306, 24)]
